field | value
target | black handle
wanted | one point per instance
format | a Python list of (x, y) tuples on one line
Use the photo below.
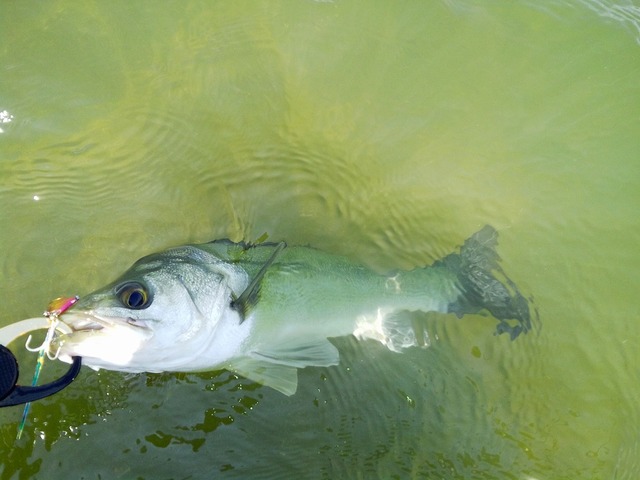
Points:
[(12, 394)]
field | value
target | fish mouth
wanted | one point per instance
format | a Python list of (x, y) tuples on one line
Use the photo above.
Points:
[(89, 321), (102, 342), (80, 323)]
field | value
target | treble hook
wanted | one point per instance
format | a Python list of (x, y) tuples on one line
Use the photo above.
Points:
[(34, 349), (45, 347), (55, 355), (55, 308), (46, 344)]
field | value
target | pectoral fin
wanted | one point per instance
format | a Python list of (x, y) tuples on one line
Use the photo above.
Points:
[(276, 366), (279, 377), (249, 298)]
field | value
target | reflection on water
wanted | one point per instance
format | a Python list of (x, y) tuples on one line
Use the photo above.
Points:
[(383, 132), (220, 416)]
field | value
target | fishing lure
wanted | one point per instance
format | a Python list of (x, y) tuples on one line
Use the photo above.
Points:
[(55, 309)]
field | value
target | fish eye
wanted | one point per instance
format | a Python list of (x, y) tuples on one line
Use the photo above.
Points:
[(133, 295)]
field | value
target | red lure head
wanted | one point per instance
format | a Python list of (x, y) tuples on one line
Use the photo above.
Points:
[(60, 305)]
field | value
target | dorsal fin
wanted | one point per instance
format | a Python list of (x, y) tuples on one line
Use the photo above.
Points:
[(249, 298)]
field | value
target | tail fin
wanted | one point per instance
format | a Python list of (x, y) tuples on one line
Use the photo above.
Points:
[(485, 286)]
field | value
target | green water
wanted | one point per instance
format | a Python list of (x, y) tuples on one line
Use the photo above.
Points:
[(385, 131)]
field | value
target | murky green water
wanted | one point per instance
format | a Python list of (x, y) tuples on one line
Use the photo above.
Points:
[(386, 131)]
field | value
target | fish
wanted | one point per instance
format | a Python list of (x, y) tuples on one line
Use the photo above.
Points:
[(266, 310)]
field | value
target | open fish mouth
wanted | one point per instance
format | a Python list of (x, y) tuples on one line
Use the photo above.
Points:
[(89, 321), (102, 342), (78, 323)]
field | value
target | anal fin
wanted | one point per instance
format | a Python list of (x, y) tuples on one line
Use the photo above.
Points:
[(277, 366), (314, 353), (279, 377)]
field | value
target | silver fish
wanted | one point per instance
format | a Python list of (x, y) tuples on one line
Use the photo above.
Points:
[(266, 310)]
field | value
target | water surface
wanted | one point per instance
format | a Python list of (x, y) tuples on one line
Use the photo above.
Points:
[(385, 131)]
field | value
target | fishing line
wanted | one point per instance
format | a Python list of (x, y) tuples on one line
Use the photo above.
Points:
[(55, 308)]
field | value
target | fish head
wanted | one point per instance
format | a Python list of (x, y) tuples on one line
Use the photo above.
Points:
[(158, 316)]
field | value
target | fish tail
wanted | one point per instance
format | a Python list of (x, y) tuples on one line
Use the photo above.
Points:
[(485, 287)]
